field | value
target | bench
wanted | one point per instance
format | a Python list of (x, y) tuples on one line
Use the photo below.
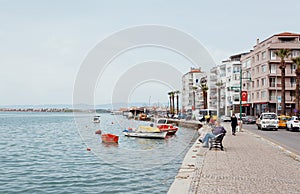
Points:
[(216, 142)]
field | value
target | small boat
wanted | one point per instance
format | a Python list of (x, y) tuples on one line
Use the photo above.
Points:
[(96, 119), (169, 128), (146, 132), (152, 135), (162, 124), (109, 138)]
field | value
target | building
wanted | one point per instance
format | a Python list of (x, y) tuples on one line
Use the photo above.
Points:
[(232, 84), (217, 85), (192, 98), (262, 65)]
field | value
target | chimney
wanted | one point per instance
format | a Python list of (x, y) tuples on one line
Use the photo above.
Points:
[(257, 41)]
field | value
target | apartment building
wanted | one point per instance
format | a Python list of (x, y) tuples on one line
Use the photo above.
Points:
[(232, 83), (262, 65), (192, 98), (217, 88)]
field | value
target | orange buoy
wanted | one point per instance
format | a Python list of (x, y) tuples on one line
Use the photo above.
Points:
[(88, 149)]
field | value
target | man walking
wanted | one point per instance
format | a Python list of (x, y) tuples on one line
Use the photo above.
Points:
[(234, 123)]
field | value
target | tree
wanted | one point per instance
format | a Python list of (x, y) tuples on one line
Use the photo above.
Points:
[(297, 102), (282, 54), (171, 97), (177, 101)]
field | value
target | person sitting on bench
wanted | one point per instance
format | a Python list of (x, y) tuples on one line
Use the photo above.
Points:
[(216, 131)]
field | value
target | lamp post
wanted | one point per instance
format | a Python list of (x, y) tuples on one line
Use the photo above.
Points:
[(204, 90), (219, 84)]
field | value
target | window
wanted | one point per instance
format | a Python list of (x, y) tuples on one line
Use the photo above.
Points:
[(272, 55), (273, 68), (263, 55), (263, 81), (295, 53), (257, 69), (229, 70), (257, 57), (272, 81), (263, 68), (293, 81), (257, 95), (257, 83), (293, 67), (263, 94)]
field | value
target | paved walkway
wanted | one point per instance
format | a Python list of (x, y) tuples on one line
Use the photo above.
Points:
[(248, 164)]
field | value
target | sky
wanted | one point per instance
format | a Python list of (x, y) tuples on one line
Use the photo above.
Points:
[(43, 44)]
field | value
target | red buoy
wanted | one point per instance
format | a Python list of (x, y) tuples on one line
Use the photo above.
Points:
[(88, 149), (98, 132)]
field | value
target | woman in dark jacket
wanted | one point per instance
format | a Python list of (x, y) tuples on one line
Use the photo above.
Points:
[(234, 123)]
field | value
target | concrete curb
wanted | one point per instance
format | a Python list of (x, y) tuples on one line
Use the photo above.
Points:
[(192, 161)]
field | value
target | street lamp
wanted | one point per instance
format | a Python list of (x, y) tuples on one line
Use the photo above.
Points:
[(220, 85)]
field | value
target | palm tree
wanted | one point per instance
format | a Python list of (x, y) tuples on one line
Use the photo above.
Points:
[(297, 62), (170, 97), (177, 101), (282, 54)]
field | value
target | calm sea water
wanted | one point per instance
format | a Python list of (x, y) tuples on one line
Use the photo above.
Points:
[(47, 153)]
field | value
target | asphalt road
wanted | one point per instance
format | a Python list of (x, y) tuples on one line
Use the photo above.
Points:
[(287, 139)]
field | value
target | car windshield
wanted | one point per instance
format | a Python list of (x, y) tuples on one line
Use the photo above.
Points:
[(269, 116)]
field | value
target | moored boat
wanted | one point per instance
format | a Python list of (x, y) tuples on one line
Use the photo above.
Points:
[(170, 129), (96, 119), (109, 138), (146, 132), (153, 135)]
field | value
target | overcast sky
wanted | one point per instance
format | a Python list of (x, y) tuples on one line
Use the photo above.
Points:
[(44, 43)]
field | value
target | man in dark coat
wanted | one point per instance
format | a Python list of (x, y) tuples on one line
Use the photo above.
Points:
[(234, 123)]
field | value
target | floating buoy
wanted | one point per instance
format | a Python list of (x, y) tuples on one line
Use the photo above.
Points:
[(88, 149), (98, 132), (112, 123)]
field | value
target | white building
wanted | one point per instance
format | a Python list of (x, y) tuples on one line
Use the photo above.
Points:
[(232, 84), (192, 97)]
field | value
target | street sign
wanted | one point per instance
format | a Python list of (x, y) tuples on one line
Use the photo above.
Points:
[(279, 107)]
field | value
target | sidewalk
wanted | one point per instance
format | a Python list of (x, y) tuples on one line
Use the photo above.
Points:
[(248, 164)]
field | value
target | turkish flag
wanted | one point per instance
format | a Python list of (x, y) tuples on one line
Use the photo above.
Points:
[(244, 95)]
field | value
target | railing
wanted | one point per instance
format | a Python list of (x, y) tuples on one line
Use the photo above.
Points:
[(287, 85)]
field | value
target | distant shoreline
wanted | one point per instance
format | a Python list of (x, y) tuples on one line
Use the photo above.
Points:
[(52, 110)]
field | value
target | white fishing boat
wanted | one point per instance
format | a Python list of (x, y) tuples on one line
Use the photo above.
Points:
[(96, 119), (145, 132)]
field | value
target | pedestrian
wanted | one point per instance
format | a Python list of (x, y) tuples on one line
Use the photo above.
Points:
[(216, 131), (234, 123)]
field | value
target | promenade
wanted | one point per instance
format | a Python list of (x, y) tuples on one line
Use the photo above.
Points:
[(248, 164)]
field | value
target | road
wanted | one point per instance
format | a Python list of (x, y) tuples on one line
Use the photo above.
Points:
[(287, 139)]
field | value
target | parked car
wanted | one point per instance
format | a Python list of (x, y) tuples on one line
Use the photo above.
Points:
[(237, 115), (282, 119), (293, 123), (267, 120), (225, 118), (249, 120)]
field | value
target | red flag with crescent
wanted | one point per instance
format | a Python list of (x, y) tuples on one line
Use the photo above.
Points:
[(244, 95)]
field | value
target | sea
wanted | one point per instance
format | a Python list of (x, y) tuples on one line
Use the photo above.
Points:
[(60, 153)]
